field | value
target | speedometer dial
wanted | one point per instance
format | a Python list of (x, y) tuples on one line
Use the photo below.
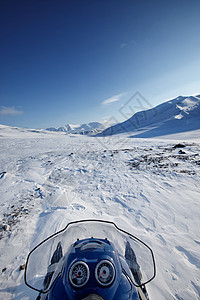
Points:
[(79, 274), (105, 272)]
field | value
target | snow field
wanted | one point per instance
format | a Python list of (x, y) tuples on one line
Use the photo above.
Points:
[(145, 186)]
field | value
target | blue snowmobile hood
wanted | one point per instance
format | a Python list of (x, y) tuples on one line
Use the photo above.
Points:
[(93, 267)]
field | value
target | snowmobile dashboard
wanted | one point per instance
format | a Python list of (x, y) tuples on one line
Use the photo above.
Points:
[(91, 256), (108, 265), (92, 267)]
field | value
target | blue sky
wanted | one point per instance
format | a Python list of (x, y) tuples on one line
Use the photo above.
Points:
[(79, 61)]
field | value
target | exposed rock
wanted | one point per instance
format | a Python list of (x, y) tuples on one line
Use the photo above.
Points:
[(4, 227), (181, 152), (22, 267), (179, 146)]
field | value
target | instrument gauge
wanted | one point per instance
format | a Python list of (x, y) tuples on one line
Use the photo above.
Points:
[(79, 274), (105, 272)]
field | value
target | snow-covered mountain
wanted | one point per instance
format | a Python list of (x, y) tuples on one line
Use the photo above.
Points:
[(174, 116), (90, 128)]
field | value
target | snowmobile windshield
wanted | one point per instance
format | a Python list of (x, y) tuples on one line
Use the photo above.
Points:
[(45, 261)]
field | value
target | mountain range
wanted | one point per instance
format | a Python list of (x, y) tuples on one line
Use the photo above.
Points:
[(174, 116), (90, 128), (178, 115)]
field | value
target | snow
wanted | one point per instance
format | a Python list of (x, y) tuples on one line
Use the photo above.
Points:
[(178, 115), (149, 187)]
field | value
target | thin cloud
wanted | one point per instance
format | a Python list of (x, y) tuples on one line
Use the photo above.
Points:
[(123, 45), (10, 111), (114, 98)]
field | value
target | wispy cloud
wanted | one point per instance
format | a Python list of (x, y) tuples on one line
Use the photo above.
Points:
[(112, 99), (9, 111), (123, 45)]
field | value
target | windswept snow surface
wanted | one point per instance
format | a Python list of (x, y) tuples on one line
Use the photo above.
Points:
[(146, 186)]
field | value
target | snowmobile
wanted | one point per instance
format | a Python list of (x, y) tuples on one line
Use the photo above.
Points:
[(90, 260)]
